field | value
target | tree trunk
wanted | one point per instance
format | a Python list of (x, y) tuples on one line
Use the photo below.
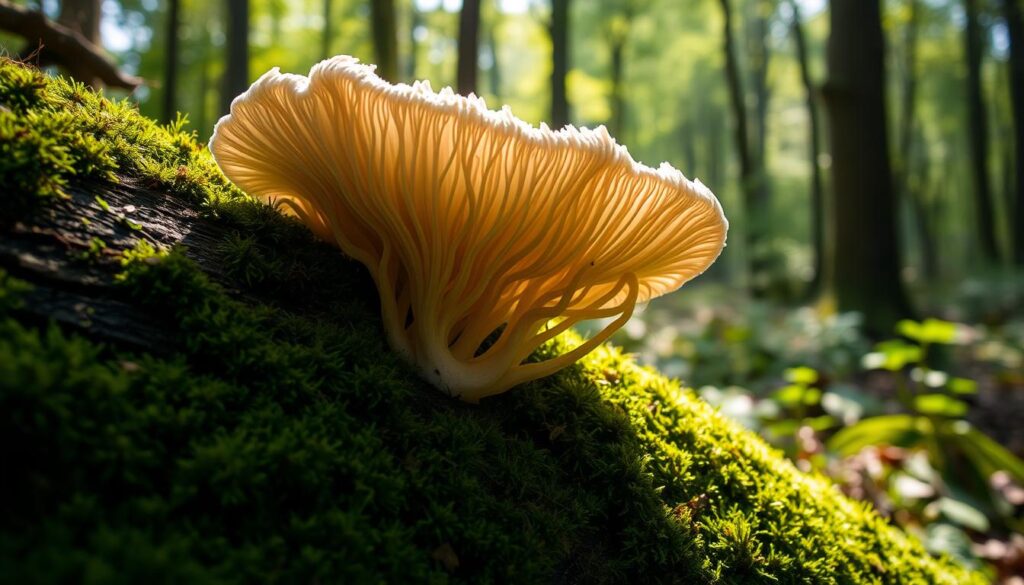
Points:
[(911, 161), (814, 152), (83, 17), (385, 41), (618, 99), (494, 73), (172, 58), (978, 132), (236, 76), (559, 62), (328, 30), (754, 211), (415, 22), (1015, 30), (469, 46), (866, 278)]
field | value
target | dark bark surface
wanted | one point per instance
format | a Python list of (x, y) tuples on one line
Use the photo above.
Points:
[(977, 126), (328, 31), (749, 172), (814, 151), (173, 57), (1015, 30), (52, 43), (867, 269), (559, 62), (469, 47), (385, 40), (236, 75), (74, 286)]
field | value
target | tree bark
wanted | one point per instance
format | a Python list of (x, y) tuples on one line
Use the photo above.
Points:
[(618, 98), (236, 75), (385, 41), (494, 73), (416, 21), (328, 30), (814, 152), (754, 210), (978, 132), (1015, 30), (469, 47), (559, 62), (83, 17), (54, 43), (172, 58), (910, 160), (867, 265)]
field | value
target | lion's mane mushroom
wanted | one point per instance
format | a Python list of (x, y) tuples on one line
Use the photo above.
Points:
[(486, 237)]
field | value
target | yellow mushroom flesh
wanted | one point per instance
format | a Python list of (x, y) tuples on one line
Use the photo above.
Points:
[(486, 237)]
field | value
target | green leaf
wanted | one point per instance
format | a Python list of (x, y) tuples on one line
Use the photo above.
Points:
[(940, 405), (801, 375), (962, 386), (794, 395), (987, 455), (938, 331), (900, 430), (929, 331), (820, 423), (963, 514), (892, 355), (944, 538)]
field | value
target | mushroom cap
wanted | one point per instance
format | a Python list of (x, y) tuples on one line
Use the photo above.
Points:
[(473, 223)]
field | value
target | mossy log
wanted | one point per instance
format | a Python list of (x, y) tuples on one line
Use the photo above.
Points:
[(195, 390)]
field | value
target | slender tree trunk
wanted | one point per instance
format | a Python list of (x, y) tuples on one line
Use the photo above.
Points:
[(416, 21), (1015, 30), (911, 162), (385, 41), (866, 278), (814, 151), (978, 132), (83, 16), (559, 62), (172, 60), (494, 73), (202, 114), (469, 46), (328, 30), (753, 208), (236, 76), (618, 98)]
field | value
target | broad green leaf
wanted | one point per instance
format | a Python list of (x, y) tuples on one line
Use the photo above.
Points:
[(795, 394), (944, 538), (900, 430), (938, 331), (820, 423), (962, 386), (801, 375), (987, 455), (940, 405), (929, 331), (892, 355), (963, 514)]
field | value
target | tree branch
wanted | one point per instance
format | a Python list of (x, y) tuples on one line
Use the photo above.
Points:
[(64, 47)]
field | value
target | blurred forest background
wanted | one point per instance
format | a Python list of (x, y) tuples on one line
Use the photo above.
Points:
[(866, 316)]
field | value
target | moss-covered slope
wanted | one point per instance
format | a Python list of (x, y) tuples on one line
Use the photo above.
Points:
[(261, 431)]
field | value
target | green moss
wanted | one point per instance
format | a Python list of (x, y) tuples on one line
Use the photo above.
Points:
[(280, 441)]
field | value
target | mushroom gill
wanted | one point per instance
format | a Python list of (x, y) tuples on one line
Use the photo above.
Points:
[(486, 237)]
